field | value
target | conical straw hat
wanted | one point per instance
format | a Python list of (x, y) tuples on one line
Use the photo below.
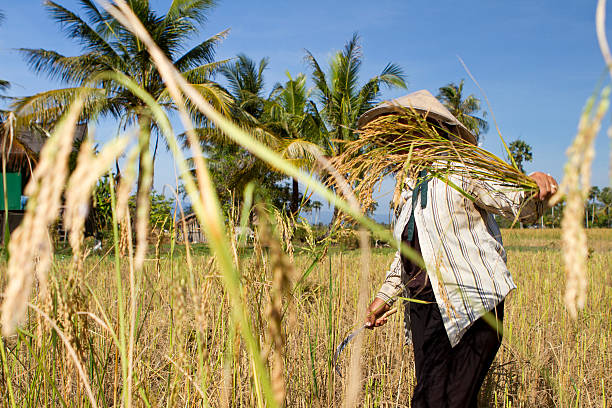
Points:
[(421, 101)]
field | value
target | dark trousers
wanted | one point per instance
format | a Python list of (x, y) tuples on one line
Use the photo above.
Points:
[(450, 377)]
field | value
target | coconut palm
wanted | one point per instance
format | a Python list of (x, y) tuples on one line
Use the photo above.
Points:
[(605, 197), (233, 167), (341, 98), (107, 46), (464, 108), (294, 117), (593, 196), (521, 152)]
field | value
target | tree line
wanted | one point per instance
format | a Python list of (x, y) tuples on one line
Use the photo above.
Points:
[(296, 120)]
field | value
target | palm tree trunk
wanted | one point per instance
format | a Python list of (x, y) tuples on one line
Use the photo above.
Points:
[(145, 165), (295, 197)]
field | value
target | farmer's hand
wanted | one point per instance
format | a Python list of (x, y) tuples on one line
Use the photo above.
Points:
[(547, 185), (376, 310)]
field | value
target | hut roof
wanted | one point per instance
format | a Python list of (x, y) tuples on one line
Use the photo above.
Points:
[(28, 143)]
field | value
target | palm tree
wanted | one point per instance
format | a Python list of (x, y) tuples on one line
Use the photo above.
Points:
[(463, 108), (342, 99), (294, 117), (521, 152), (593, 196), (605, 197), (107, 46)]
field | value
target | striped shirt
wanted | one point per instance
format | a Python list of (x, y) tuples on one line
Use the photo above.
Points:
[(462, 248)]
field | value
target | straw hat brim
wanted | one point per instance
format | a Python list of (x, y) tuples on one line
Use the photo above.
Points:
[(423, 102)]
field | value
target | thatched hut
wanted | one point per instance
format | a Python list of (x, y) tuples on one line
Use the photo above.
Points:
[(20, 154)]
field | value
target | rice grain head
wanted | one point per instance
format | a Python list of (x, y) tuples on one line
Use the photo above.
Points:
[(30, 241), (576, 184), (90, 167), (282, 271)]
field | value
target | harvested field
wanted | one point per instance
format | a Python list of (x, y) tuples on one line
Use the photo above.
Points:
[(185, 346)]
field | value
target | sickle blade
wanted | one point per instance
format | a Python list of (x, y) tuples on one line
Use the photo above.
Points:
[(342, 346)]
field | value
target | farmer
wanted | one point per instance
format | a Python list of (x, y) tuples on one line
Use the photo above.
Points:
[(457, 319)]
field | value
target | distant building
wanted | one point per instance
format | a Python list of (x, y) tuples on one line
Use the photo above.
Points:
[(188, 230), (22, 155)]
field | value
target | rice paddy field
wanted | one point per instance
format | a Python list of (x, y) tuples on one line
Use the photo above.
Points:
[(146, 322), (185, 351)]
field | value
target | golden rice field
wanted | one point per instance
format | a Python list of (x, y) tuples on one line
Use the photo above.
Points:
[(186, 352)]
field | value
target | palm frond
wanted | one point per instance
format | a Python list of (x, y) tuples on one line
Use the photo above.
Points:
[(76, 70), (201, 53), (76, 28), (320, 80), (47, 107), (202, 74), (302, 153), (4, 85), (195, 10), (217, 97)]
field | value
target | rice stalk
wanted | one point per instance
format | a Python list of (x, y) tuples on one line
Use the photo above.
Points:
[(402, 144), (71, 352), (602, 39), (126, 182), (143, 199), (31, 239), (90, 167), (575, 186), (282, 271)]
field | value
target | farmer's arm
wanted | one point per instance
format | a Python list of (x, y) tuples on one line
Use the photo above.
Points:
[(511, 203), (386, 295)]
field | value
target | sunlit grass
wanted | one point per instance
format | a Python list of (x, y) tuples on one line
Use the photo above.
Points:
[(184, 338)]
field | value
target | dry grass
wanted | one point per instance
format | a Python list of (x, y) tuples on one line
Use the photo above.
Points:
[(402, 144), (188, 331), (185, 342)]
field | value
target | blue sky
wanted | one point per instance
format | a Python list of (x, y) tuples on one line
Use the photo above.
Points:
[(538, 62)]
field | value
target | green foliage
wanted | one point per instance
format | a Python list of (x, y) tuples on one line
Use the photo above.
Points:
[(101, 215), (160, 216), (109, 47), (521, 152), (340, 96), (604, 212), (465, 109), (232, 167)]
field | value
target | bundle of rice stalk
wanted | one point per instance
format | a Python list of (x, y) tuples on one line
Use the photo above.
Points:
[(405, 142)]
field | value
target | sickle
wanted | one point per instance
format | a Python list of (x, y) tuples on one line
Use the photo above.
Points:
[(350, 337)]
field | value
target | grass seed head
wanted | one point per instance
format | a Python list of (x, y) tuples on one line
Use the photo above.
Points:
[(31, 241)]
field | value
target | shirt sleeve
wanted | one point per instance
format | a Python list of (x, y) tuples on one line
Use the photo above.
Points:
[(506, 201), (393, 281)]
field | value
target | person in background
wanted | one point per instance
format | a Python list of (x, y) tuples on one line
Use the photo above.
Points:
[(456, 324)]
